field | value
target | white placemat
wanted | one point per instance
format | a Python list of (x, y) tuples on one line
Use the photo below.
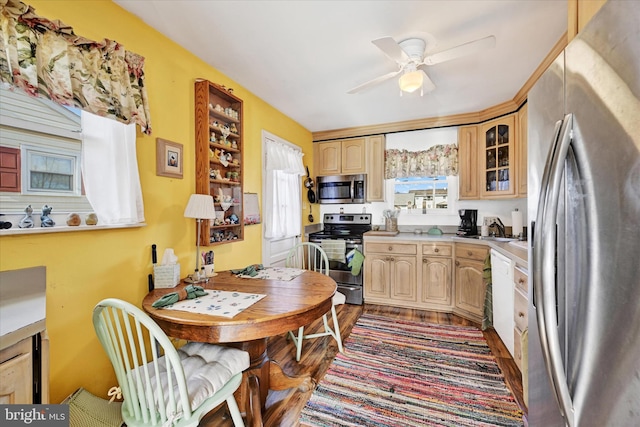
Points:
[(218, 303), (276, 273)]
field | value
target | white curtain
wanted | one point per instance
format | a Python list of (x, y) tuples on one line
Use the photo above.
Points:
[(110, 170), (282, 205)]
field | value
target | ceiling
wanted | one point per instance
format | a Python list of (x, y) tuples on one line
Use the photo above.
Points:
[(302, 57)]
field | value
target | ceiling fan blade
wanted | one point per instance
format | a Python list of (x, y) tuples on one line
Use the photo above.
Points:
[(427, 83), (392, 49), (461, 50), (371, 83)]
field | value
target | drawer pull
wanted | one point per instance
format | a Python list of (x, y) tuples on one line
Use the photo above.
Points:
[(390, 248), (436, 250), (457, 263), (424, 260), (520, 314), (469, 253)]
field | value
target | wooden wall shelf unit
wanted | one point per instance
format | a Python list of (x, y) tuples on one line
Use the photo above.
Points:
[(219, 160)]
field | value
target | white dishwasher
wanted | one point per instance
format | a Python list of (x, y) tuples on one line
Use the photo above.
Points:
[(502, 298)]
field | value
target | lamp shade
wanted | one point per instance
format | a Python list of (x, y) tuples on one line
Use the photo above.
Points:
[(411, 81), (200, 206)]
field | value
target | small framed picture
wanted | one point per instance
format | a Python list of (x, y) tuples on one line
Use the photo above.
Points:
[(168, 158)]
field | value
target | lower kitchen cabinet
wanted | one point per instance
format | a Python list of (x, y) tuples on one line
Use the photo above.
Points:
[(469, 285), (16, 374), (436, 279), (390, 273), (521, 320)]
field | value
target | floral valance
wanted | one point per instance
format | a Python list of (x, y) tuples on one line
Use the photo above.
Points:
[(45, 58), (437, 160)]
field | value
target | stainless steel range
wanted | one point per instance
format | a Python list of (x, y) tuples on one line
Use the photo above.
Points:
[(343, 231)]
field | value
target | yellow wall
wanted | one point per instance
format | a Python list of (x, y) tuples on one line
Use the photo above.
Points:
[(85, 267)]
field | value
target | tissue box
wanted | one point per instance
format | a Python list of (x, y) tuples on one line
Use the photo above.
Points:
[(166, 276)]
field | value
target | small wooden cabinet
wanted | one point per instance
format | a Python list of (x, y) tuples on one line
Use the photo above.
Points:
[(468, 162), (497, 154), (390, 272), (521, 150), (469, 285), (343, 157), (219, 160), (436, 278), (16, 374), (374, 146)]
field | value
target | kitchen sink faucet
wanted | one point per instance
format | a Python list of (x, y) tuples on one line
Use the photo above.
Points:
[(500, 226)]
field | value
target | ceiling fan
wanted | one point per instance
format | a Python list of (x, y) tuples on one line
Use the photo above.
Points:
[(412, 61)]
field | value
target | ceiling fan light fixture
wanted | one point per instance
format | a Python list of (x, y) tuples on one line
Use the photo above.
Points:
[(411, 81)]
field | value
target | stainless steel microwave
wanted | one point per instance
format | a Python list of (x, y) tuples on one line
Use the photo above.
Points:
[(342, 189)]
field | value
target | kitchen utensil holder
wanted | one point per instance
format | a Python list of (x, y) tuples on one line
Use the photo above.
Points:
[(391, 224)]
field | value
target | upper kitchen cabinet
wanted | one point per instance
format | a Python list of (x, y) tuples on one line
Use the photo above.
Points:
[(374, 146), (219, 161), (579, 13), (468, 162), (343, 157), (497, 154), (522, 151)]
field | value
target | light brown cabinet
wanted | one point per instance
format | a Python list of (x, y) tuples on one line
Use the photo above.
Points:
[(579, 13), (493, 158), (521, 320), (468, 162), (390, 273), (343, 157), (219, 160), (436, 278), (521, 150), (16, 374), (470, 288), (374, 147), (497, 158)]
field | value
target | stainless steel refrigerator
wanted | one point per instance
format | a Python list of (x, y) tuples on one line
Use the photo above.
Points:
[(584, 208)]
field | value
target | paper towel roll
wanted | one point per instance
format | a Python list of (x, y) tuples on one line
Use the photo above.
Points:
[(516, 222)]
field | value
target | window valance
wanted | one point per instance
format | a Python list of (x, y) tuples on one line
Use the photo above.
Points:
[(45, 58), (436, 161)]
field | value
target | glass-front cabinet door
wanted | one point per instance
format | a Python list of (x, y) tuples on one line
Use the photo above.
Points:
[(497, 155)]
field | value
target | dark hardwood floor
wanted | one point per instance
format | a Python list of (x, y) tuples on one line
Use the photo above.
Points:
[(284, 407)]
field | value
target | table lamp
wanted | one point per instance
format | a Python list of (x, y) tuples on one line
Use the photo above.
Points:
[(200, 207)]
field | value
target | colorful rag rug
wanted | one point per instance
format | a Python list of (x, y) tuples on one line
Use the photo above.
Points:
[(403, 373)]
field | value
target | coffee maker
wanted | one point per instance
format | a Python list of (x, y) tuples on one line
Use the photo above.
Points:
[(468, 222)]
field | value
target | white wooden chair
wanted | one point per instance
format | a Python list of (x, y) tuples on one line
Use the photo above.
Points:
[(311, 256), (176, 388)]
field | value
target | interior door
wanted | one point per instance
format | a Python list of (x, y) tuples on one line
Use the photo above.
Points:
[(275, 250)]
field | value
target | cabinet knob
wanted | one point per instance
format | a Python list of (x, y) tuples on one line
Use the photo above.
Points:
[(390, 248), (424, 260), (457, 263), (469, 253), (520, 314), (436, 250), (521, 280)]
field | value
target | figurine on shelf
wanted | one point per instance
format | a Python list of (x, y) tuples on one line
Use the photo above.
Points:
[(234, 145), (46, 221), (233, 128), (26, 221), (225, 132), (215, 174), (219, 108)]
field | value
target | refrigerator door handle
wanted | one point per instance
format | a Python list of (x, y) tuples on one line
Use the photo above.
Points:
[(544, 278)]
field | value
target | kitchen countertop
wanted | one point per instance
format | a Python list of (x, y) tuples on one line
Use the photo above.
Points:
[(517, 254)]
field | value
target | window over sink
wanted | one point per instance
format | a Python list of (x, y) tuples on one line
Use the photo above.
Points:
[(423, 195)]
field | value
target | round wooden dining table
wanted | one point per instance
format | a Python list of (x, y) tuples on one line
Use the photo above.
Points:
[(288, 304)]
